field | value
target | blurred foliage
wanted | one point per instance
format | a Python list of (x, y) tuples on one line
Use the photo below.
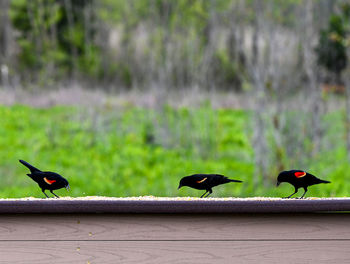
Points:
[(134, 151), (129, 44), (331, 49), (53, 37)]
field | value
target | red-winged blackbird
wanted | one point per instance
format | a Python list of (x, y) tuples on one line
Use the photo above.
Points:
[(47, 180), (204, 182), (299, 179)]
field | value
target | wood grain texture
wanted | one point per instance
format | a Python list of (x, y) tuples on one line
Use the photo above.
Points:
[(174, 227), (175, 252)]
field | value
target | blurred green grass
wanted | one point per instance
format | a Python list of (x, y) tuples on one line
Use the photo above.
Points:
[(135, 152)]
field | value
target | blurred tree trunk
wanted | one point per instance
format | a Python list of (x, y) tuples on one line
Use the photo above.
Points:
[(70, 20), (235, 40), (5, 29), (89, 27), (43, 40), (311, 70), (33, 38), (255, 36), (206, 76), (258, 74), (51, 67)]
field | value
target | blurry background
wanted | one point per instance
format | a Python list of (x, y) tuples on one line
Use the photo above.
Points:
[(123, 98)]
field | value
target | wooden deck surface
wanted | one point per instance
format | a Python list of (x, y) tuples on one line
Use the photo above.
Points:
[(174, 237)]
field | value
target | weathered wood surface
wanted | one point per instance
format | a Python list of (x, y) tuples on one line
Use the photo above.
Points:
[(175, 252), (174, 227), (179, 237), (163, 238), (173, 205)]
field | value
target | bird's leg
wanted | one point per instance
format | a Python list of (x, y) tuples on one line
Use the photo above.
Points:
[(295, 191), (45, 193), (54, 194), (204, 194), (290, 195), (210, 192), (305, 188)]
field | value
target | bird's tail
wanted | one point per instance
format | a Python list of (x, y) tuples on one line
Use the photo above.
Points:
[(322, 181), (230, 180), (30, 167)]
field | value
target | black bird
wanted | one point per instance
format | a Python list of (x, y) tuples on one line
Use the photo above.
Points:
[(47, 180), (204, 182), (299, 179)]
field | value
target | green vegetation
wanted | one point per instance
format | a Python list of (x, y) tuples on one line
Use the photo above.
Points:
[(54, 38), (101, 42), (331, 50), (133, 152)]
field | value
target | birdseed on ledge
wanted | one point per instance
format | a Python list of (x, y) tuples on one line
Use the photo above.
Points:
[(155, 198)]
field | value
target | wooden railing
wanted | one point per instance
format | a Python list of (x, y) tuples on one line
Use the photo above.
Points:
[(175, 231)]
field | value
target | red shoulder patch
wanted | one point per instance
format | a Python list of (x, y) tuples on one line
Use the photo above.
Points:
[(202, 180), (299, 174), (49, 181)]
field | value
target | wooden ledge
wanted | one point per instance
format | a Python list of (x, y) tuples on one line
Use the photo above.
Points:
[(155, 205)]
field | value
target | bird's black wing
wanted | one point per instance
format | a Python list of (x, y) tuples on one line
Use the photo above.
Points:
[(54, 179)]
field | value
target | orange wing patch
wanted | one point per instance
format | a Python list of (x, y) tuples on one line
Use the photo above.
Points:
[(49, 181), (201, 180), (300, 174)]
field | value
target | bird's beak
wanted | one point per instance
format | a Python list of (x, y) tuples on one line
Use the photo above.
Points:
[(278, 183), (179, 187), (67, 187)]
